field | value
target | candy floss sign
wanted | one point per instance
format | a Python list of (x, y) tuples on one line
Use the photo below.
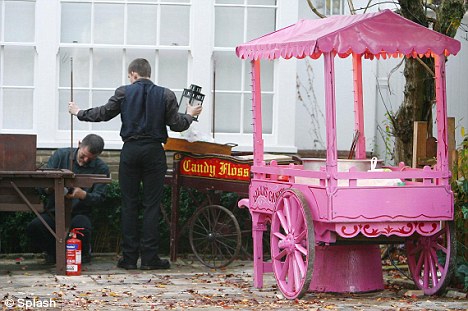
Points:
[(215, 168), (264, 196)]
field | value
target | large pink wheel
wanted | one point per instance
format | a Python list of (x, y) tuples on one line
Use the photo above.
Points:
[(431, 259), (292, 244)]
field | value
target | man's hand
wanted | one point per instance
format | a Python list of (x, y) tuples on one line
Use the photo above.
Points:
[(194, 110), (73, 108), (77, 193)]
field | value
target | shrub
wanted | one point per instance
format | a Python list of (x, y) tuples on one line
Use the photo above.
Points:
[(460, 191), (13, 238)]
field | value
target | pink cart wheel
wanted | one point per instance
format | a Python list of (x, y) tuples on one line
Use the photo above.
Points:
[(292, 244), (431, 259)]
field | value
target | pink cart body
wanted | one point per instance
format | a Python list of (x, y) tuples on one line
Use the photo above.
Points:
[(314, 207)]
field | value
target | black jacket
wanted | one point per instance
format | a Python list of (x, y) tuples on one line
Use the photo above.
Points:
[(95, 195), (145, 110)]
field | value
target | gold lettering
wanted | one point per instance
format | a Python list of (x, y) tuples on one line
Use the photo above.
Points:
[(212, 170), (186, 166), (223, 168)]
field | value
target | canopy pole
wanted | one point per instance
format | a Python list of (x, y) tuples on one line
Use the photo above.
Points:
[(213, 120), (330, 117), (358, 107), (257, 113), (441, 107)]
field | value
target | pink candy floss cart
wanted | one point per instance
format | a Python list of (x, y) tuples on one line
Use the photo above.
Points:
[(327, 220)]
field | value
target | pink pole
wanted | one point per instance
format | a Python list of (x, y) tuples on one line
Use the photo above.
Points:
[(358, 107), (441, 106), (330, 117), (257, 113)]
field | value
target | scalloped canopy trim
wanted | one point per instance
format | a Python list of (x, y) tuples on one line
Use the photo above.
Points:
[(380, 35)]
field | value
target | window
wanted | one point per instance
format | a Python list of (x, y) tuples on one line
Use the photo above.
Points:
[(331, 7), (102, 37), (238, 21), (17, 59), (46, 43)]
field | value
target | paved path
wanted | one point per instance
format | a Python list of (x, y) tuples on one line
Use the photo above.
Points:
[(189, 286)]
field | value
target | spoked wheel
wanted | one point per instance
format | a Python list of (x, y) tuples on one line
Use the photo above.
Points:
[(215, 236), (431, 259), (292, 243)]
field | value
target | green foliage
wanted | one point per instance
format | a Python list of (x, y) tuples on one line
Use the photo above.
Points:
[(13, 237), (106, 220), (461, 273), (459, 185)]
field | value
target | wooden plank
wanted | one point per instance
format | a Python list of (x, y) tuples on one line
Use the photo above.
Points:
[(10, 201), (20, 207), (198, 147), (419, 141), (431, 148), (452, 154), (17, 152)]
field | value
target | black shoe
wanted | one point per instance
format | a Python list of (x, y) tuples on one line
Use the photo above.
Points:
[(156, 265), (125, 265)]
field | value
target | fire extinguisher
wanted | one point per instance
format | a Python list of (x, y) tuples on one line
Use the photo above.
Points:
[(74, 252)]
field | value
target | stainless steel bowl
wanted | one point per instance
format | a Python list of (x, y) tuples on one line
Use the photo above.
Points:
[(343, 164)]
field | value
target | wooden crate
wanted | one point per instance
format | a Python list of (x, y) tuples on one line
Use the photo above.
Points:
[(17, 152), (198, 147)]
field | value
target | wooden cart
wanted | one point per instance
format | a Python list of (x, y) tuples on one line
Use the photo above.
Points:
[(215, 235)]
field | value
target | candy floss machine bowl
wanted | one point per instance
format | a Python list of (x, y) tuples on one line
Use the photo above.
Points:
[(343, 164)]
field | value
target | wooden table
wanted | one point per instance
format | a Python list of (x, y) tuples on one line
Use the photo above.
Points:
[(17, 193)]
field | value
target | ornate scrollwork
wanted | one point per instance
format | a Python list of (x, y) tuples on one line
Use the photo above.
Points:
[(403, 229)]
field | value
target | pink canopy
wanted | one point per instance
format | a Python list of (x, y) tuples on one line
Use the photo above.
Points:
[(372, 34)]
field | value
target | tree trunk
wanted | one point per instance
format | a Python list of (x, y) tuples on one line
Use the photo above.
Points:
[(419, 94), (416, 106)]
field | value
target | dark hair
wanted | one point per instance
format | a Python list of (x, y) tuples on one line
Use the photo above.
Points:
[(94, 142), (140, 66)]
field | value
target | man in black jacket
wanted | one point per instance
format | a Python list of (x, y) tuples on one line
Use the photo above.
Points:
[(85, 161), (145, 110)]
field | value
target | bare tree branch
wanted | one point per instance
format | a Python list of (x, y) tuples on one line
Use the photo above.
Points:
[(367, 6), (425, 66), (351, 7), (392, 72), (314, 9), (378, 3)]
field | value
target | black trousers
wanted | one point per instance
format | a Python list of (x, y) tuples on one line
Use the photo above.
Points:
[(141, 162), (42, 240)]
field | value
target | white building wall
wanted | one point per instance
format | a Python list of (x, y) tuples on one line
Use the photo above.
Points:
[(310, 121), (457, 85), (293, 126)]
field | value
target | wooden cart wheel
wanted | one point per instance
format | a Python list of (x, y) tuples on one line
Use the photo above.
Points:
[(292, 242), (431, 259), (215, 236)]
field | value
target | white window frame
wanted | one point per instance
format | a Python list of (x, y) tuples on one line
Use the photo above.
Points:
[(282, 138), (112, 137), (199, 71), (3, 87)]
